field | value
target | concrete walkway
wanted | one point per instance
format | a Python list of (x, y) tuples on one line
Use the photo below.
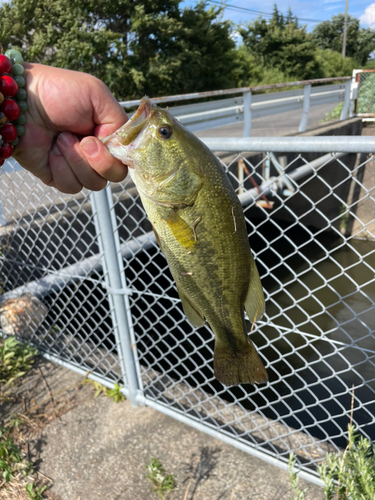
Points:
[(98, 450)]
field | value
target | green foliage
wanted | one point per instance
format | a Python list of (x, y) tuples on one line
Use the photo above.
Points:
[(11, 459), (163, 483), (360, 42), (115, 394), (10, 456), (35, 492), (16, 358), (349, 475), (294, 480), (332, 64), (136, 47), (283, 44)]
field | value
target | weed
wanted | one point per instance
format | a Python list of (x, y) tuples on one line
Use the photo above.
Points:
[(349, 475), (115, 394), (35, 492), (163, 483), (11, 459), (16, 358), (293, 477)]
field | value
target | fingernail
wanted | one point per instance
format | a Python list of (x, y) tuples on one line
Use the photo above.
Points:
[(90, 147), (56, 150), (67, 139)]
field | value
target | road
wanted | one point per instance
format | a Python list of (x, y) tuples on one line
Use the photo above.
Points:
[(282, 124)]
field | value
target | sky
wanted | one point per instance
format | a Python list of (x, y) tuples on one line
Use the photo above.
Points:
[(313, 11)]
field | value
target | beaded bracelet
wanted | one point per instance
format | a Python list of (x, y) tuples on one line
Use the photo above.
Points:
[(13, 104)]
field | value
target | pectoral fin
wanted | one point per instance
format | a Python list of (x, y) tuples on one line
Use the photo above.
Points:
[(254, 302), (180, 230), (195, 318)]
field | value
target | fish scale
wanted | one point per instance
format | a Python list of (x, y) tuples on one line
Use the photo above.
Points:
[(200, 227)]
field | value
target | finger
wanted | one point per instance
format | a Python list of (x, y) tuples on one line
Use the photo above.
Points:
[(108, 114), (63, 177), (70, 149), (102, 161)]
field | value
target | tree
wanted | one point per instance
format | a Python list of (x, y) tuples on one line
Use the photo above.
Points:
[(283, 44), (360, 42), (136, 47)]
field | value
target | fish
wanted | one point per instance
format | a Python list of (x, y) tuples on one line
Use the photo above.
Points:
[(200, 227)]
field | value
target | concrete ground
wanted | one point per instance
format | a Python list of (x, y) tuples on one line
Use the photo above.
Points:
[(98, 449)]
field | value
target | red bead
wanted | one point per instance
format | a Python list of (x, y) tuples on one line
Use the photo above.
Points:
[(8, 132), (10, 109), (8, 86), (6, 151), (5, 64)]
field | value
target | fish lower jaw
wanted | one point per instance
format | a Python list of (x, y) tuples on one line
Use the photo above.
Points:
[(119, 151)]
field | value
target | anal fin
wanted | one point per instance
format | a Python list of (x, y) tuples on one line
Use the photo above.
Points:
[(254, 301)]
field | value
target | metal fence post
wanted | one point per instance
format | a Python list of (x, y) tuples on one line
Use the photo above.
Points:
[(247, 114), (345, 109), (121, 326), (306, 108)]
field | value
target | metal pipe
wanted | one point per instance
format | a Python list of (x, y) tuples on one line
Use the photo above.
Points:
[(344, 144), (306, 108), (241, 90), (124, 341), (345, 109), (247, 114)]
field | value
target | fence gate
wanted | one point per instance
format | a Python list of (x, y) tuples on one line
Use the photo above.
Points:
[(99, 295)]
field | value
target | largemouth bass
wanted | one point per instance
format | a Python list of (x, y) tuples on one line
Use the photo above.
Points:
[(199, 225)]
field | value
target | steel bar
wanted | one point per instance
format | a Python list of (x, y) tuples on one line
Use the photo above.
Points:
[(306, 108), (247, 114), (344, 144), (241, 90), (345, 109), (111, 259)]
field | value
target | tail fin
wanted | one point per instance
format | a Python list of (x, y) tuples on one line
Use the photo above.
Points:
[(242, 367)]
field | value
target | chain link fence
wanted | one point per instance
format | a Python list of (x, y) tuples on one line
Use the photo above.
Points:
[(83, 278), (364, 82)]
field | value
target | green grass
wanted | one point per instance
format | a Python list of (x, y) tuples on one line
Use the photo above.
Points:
[(16, 359), (163, 483)]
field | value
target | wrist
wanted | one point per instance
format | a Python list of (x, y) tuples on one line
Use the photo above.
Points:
[(13, 105)]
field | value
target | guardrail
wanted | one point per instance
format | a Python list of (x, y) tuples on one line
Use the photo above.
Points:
[(245, 107)]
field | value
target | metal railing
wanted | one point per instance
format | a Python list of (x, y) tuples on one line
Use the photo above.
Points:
[(97, 296), (246, 106)]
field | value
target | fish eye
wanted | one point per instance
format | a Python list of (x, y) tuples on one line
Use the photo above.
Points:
[(165, 132)]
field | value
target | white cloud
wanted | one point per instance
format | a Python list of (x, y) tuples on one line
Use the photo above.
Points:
[(369, 16)]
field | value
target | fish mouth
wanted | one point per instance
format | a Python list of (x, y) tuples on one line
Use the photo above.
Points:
[(121, 142)]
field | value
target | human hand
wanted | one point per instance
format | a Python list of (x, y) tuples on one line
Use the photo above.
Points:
[(67, 112)]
